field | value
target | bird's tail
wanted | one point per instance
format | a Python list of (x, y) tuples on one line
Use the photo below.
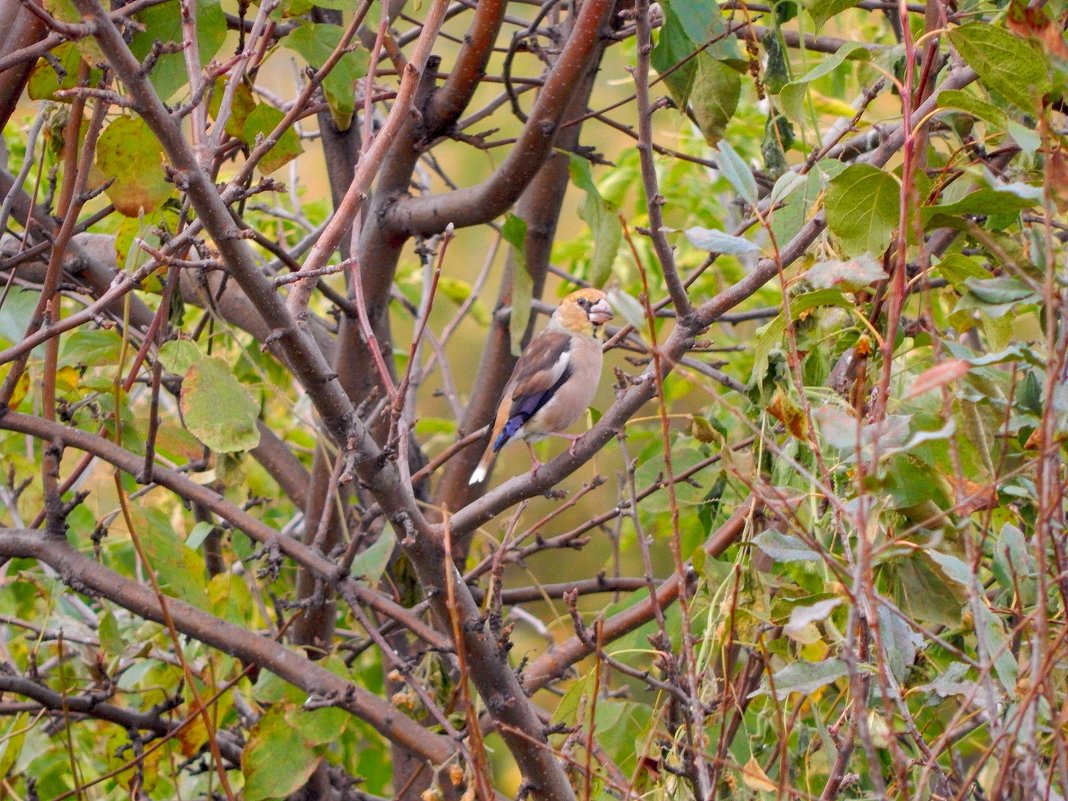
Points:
[(480, 472)]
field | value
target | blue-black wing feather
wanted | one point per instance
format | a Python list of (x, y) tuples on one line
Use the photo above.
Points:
[(525, 407)]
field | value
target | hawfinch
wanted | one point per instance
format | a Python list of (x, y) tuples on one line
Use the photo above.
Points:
[(555, 378)]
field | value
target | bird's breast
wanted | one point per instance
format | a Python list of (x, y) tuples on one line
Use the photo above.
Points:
[(573, 397)]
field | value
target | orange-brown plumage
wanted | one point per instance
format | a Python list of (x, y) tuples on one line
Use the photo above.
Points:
[(555, 378)]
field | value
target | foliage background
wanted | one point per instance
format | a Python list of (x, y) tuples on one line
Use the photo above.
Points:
[(265, 272)]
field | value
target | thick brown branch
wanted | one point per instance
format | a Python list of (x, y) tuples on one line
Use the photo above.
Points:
[(425, 216), (88, 576)]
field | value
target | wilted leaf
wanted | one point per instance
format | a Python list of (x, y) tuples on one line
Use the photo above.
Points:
[(938, 376), (1057, 167), (1032, 23), (217, 409), (754, 777), (129, 152), (784, 409)]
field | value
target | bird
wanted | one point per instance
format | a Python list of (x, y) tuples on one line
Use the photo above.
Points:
[(554, 380)]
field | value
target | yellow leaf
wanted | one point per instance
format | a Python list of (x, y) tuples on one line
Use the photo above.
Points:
[(755, 778), (830, 105)]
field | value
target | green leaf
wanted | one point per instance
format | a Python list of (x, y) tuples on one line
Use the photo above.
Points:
[(823, 10), (45, 80), (714, 96), (784, 547), (688, 26), (923, 593), (315, 42), (198, 534), (277, 759), (802, 677), (958, 268), (687, 493), (371, 563), (90, 348), (862, 209), (260, 122), (571, 703), (178, 355), (602, 218), (129, 152), (735, 170), (65, 11), (514, 232), (980, 109), (163, 23), (217, 409), (1000, 290), (793, 93), (180, 569), (998, 646), (951, 567), (769, 335), (1007, 64), (900, 643), (776, 70), (11, 742), (110, 637), (459, 291), (718, 242), (982, 201)]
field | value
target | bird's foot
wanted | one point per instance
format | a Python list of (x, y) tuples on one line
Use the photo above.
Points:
[(535, 462)]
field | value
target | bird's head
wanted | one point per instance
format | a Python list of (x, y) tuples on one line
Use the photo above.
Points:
[(583, 312)]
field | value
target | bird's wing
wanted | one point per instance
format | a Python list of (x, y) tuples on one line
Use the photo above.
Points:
[(541, 370)]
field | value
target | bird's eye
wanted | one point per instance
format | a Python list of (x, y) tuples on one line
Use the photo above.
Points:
[(584, 303)]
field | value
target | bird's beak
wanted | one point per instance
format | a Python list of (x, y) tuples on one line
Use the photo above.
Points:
[(600, 312)]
